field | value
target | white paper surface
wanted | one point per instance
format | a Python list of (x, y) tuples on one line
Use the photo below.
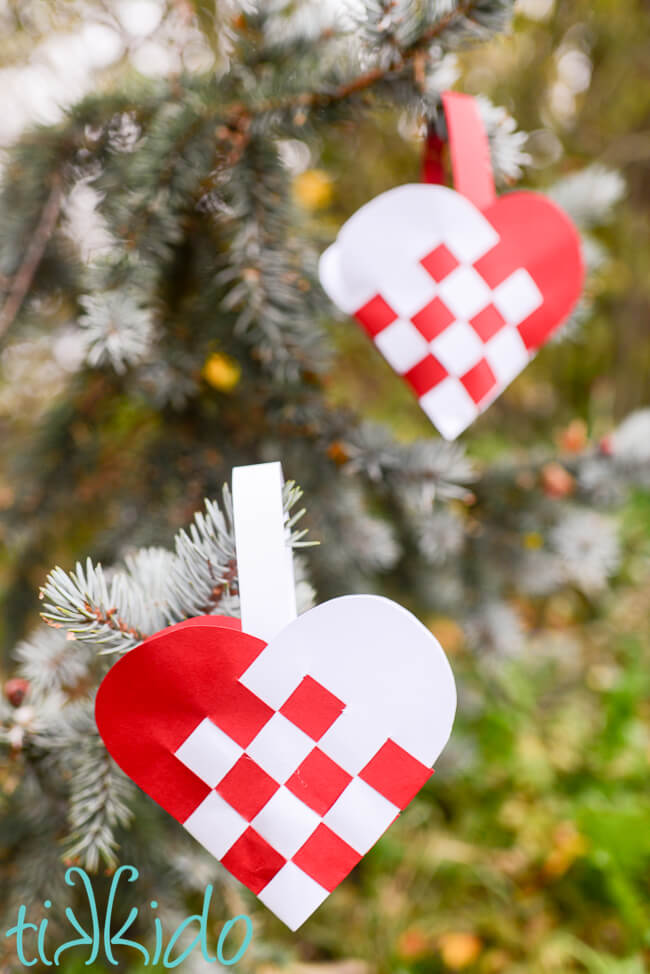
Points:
[(264, 560)]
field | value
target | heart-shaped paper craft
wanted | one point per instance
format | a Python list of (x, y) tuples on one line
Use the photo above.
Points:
[(287, 761), (456, 299)]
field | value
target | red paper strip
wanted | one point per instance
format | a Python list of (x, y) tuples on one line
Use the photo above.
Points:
[(433, 170), (469, 151)]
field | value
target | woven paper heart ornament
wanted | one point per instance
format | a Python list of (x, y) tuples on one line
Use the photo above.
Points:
[(457, 288), (289, 747)]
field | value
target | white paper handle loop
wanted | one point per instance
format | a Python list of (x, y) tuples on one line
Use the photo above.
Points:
[(264, 560)]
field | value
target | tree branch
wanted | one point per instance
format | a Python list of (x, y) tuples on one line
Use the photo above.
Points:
[(363, 82), (23, 278), (238, 118)]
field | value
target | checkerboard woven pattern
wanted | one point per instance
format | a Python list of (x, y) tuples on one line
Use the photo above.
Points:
[(453, 338), (290, 813)]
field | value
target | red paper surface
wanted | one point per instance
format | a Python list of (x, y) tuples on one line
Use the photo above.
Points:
[(469, 149)]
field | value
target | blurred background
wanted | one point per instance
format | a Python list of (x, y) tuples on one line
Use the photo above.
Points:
[(530, 849)]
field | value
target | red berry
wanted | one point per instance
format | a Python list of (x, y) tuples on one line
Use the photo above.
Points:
[(15, 690)]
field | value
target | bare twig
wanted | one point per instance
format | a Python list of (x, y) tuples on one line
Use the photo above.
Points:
[(23, 278)]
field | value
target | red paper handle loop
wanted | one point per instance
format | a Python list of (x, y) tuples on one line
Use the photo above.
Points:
[(433, 170), (469, 150)]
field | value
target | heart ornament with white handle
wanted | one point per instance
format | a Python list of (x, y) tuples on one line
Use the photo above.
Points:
[(459, 288), (285, 745)]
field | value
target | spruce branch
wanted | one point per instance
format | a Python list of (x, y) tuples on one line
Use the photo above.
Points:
[(156, 587), (22, 280), (82, 602), (99, 794), (268, 279), (464, 12), (115, 329), (589, 195), (204, 571), (474, 17), (51, 662)]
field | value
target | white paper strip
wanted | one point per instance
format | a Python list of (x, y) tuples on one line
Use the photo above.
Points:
[(264, 560)]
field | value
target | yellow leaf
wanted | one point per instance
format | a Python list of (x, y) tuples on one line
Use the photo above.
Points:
[(459, 949), (222, 372), (533, 540), (313, 189)]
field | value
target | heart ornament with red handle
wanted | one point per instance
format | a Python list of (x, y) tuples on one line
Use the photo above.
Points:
[(285, 745), (457, 288)]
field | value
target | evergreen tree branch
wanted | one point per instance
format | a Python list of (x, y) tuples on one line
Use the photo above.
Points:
[(99, 794), (268, 279), (83, 603), (22, 280), (99, 803), (157, 587), (415, 52)]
